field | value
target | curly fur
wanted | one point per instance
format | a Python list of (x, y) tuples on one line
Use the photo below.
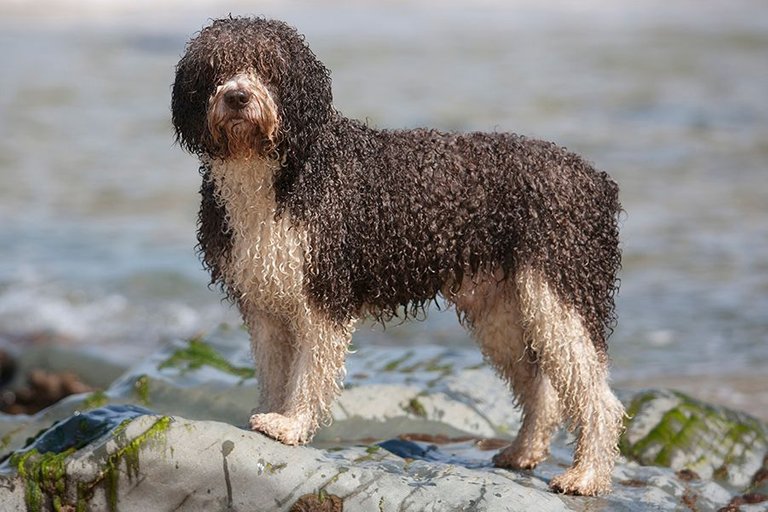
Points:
[(310, 220)]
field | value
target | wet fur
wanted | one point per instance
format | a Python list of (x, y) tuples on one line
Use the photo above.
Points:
[(310, 220)]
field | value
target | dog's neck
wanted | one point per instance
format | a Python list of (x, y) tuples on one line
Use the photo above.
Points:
[(266, 261), (244, 182)]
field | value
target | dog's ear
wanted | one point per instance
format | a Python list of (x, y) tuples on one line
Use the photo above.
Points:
[(303, 90), (194, 84), (214, 237)]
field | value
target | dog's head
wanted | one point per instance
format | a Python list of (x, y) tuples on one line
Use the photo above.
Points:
[(249, 86)]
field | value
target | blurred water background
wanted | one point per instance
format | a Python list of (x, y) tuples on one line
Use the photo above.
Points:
[(98, 207)]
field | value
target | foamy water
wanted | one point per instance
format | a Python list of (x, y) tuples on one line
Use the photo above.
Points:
[(97, 206)]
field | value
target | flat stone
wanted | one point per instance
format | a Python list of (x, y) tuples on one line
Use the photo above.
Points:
[(674, 430), (414, 430)]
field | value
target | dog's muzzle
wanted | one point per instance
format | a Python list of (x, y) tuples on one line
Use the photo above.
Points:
[(242, 117)]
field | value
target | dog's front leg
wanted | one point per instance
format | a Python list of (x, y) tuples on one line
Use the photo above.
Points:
[(273, 351), (312, 382)]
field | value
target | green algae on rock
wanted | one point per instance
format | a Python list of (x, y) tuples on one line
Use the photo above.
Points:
[(415, 407), (668, 428), (141, 387), (129, 453), (95, 400), (42, 466), (197, 354), (43, 475)]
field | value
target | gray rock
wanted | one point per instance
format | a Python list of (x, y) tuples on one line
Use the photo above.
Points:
[(671, 429), (164, 463), (106, 454)]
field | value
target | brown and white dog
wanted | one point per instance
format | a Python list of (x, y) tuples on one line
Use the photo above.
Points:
[(310, 221)]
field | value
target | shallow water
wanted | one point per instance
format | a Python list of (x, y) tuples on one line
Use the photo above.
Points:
[(97, 205)]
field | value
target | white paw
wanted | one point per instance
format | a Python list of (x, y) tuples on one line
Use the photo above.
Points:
[(512, 457), (285, 429), (581, 481)]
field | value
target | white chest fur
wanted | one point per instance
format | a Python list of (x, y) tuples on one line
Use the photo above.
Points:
[(266, 263)]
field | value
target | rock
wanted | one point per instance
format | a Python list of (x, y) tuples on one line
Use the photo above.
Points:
[(414, 430), (673, 430), (7, 367), (42, 390), (163, 463), (39, 376)]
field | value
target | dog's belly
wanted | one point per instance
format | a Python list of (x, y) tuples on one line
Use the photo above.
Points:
[(266, 264)]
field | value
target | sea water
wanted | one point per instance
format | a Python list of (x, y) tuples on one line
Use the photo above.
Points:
[(98, 206)]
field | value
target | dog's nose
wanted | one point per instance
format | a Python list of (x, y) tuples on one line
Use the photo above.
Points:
[(237, 99)]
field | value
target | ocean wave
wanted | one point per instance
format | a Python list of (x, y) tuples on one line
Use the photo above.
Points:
[(121, 320)]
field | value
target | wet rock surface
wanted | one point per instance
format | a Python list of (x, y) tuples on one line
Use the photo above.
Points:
[(42, 389), (414, 430), (696, 439)]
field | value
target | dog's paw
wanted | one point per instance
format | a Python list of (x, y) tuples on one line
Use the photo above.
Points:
[(285, 429), (513, 457), (582, 482)]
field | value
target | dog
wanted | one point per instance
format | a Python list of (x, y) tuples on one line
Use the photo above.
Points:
[(310, 221)]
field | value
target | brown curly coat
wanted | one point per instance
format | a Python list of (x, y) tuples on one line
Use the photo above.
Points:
[(310, 220)]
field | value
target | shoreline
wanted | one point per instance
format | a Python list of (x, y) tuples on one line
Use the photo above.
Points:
[(407, 421), (745, 392)]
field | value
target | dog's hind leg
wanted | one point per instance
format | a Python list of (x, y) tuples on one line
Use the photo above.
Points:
[(492, 311), (579, 374), (541, 417), (312, 382)]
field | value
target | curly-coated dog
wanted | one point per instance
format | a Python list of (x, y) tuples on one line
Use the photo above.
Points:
[(310, 220)]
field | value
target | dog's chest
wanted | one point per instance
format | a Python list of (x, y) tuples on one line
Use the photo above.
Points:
[(266, 262)]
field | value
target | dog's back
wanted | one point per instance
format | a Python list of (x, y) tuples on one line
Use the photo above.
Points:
[(395, 216)]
